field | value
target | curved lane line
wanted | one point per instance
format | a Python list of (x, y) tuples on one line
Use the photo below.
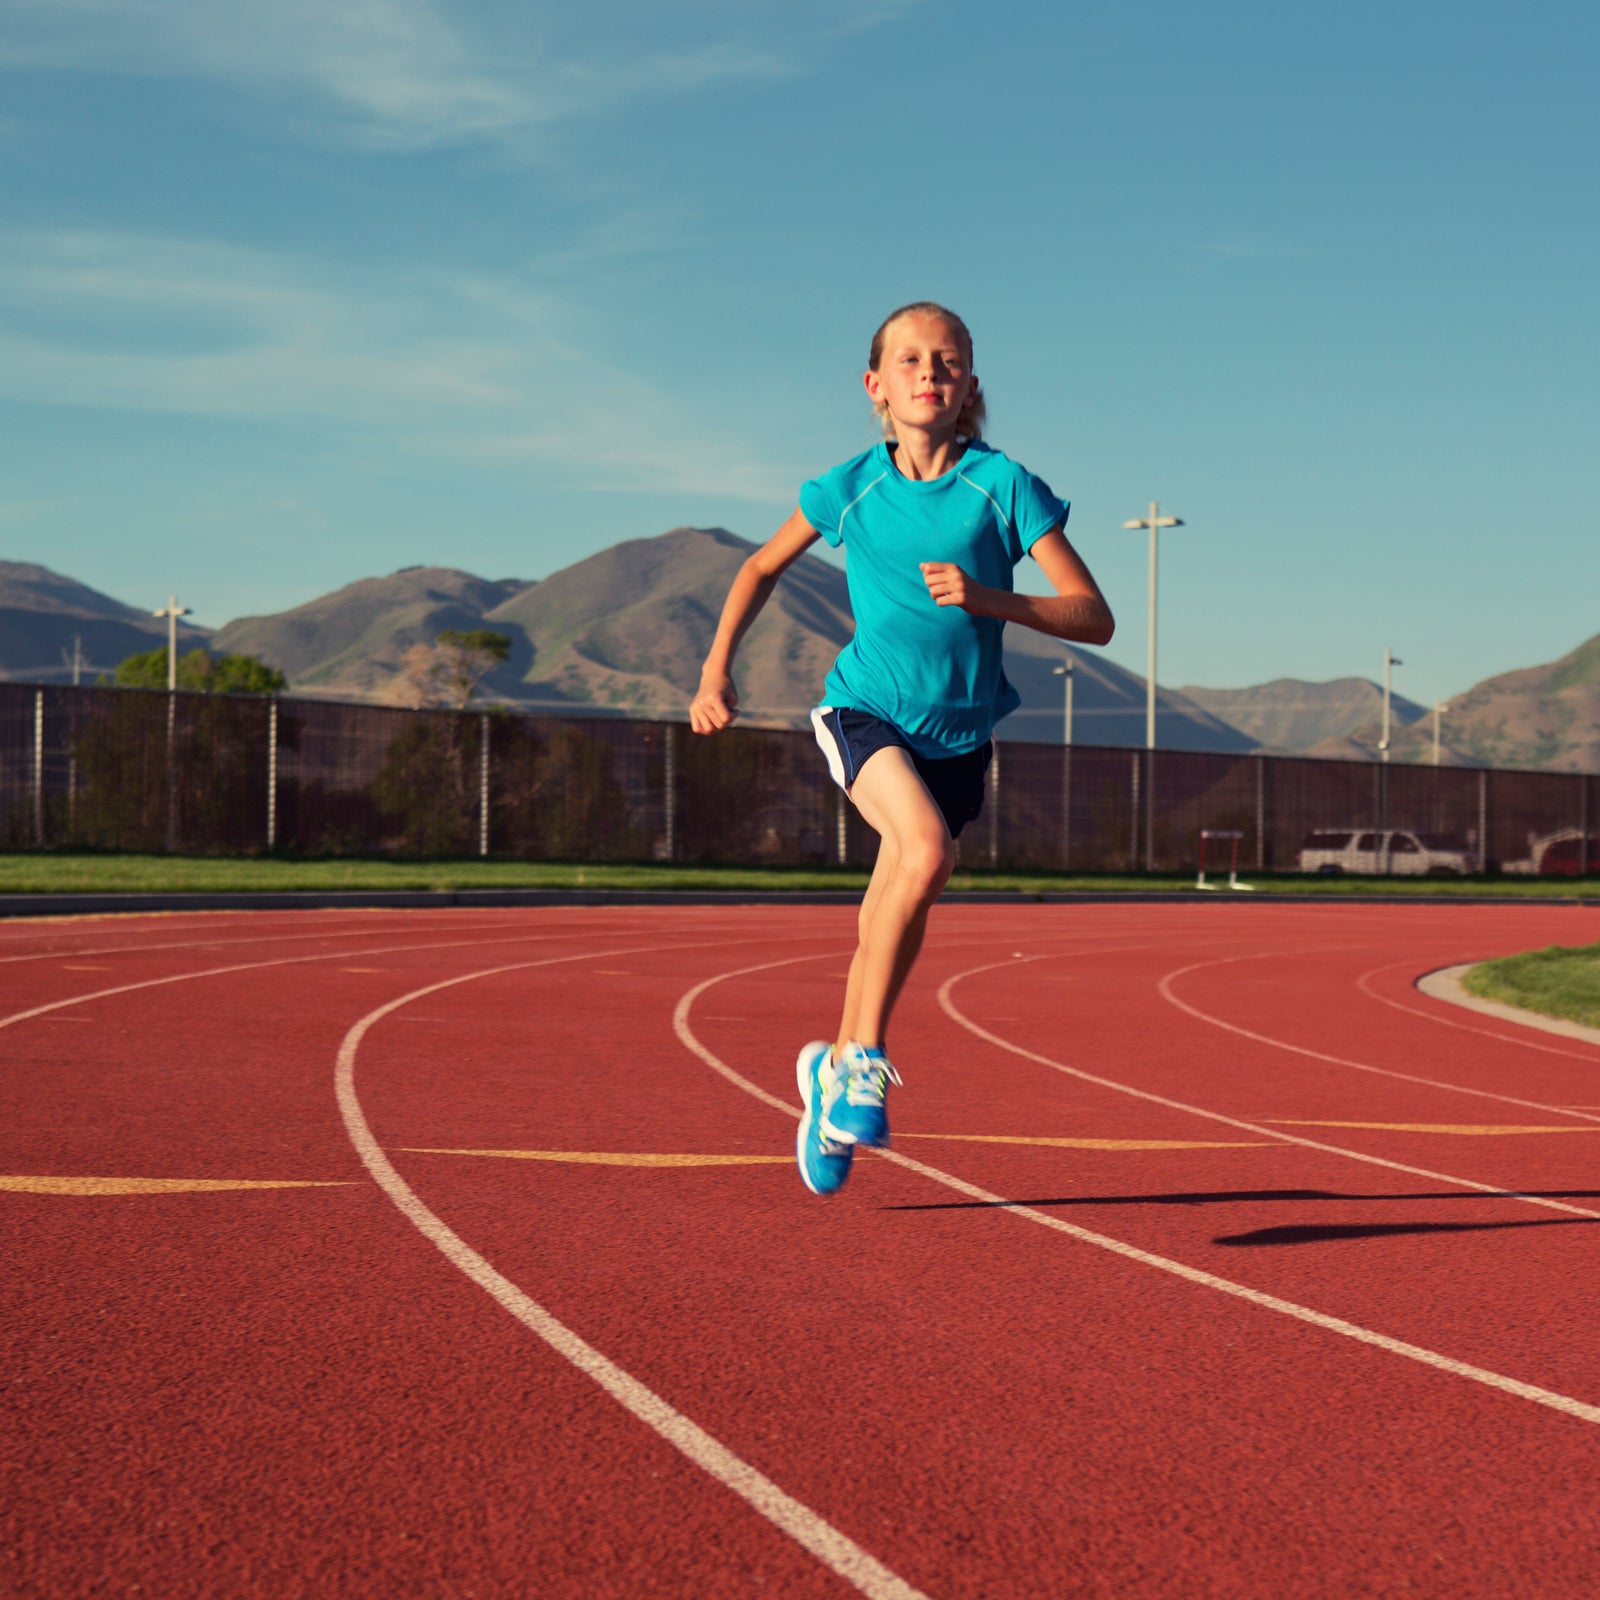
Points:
[(1266, 1130), (1566, 1404), (1362, 983), (254, 966), (835, 1550), (1164, 988), (208, 944)]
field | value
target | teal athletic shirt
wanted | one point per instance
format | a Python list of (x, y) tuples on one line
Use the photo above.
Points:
[(933, 671)]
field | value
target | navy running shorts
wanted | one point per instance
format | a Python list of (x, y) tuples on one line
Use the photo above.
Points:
[(955, 783)]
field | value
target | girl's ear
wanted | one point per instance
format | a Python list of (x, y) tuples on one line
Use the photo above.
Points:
[(873, 387)]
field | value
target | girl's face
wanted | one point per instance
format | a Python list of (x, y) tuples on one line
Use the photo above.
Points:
[(924, 376)]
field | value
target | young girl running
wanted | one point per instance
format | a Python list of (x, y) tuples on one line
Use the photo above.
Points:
[(933, 521)]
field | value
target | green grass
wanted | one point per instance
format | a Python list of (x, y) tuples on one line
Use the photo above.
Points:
[(89, 873), (1560, 981)]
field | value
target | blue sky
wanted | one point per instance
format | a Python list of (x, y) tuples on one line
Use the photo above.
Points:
[(300, 293)]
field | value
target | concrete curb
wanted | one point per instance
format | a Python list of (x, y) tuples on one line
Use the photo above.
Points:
[(1445, 984)]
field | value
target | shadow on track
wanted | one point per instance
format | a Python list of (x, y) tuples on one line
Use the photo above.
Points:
[(1318, 1233), (1233, 1196)]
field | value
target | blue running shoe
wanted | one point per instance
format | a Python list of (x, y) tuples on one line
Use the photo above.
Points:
[(859, 1115), (824, 1162)]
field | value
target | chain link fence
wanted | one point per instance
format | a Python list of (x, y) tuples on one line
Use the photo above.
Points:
[(145, 770)]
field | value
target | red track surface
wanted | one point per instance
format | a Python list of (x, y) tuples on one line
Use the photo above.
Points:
[(1232, 1349)]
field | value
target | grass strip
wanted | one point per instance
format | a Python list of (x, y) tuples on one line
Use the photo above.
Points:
[(1561, 981), (89, 873)]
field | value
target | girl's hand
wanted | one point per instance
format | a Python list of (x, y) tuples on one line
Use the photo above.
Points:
[(715, 706), (950, 586)]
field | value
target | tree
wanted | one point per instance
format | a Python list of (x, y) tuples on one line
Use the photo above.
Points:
[(202, 672), (448, 671)]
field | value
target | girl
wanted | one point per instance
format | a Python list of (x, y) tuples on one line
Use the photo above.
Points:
[(933, 521)]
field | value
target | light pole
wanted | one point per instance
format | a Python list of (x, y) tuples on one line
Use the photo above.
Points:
[(1066, 673), (172, 611), (1439, 709), (1154, 522), (1390, 662)]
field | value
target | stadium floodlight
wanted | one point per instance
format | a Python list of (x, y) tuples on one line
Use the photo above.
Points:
[(1066, 673), (1439, 709), (172, 611), (1390, 662), (1154, 522)]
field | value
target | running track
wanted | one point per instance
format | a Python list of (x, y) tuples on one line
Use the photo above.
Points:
[(1212, 1260)]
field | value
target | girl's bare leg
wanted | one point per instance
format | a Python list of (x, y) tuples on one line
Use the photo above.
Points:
[(915, 859)]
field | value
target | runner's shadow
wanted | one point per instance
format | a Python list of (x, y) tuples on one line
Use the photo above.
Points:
[(1318, 1233), (1237, 1196)]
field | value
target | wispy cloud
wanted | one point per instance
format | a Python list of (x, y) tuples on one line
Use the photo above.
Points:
[(442, 364), (415, 73)]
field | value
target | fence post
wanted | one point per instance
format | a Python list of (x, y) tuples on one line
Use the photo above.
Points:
[(1380, 783), (1483, 820), (272, 773), (1261, 813), (994, 806), (1150, 809), (483, 784), (172, 775), (1133, 842), (669, 798), (1066, 807), (38, 768), (1583, 825)]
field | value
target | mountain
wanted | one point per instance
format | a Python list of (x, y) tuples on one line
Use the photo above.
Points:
[(351, 643), (1292, 715), (42, 614), (1544, 717), (627, 629)]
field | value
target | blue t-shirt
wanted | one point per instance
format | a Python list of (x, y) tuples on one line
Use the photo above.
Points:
[(934, 671)]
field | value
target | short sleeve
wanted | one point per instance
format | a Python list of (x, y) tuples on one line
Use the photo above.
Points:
[(1038, 509), (822, 507)]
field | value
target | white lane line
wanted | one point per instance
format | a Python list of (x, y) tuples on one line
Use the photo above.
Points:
[(1164, 987), (1520, 1024), (1264, 1129), (208, 944), (1566, 1404), (835, 1550), (259, 966)]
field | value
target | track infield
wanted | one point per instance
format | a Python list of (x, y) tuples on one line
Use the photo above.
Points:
[(462, 1253)]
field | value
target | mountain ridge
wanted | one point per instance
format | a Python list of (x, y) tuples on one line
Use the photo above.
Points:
[(623, 631)]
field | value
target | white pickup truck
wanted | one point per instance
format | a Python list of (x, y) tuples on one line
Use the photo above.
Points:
[(1402, 852)]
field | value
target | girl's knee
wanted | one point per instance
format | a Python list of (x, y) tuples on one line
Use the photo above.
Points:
[(926, 864)]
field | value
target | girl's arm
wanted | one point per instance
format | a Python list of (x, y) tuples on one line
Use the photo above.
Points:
[(1077, 610), (716, 703)]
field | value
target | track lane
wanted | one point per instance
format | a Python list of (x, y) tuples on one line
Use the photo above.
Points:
[(669, 1326), (237, 1506), (1009, 1409)]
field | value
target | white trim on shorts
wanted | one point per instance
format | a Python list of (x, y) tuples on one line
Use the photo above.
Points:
[(838, 757)]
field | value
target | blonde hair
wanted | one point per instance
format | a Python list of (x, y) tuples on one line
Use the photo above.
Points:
[(973, 413)]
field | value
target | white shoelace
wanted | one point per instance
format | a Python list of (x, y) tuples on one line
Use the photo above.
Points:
[(867, 1079)]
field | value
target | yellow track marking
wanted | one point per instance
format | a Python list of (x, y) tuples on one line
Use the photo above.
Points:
[(611, 972), (1093, 1144), (611, 1158), (363, 969), (31, 1185), (69, 966), (1467, 1129)]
